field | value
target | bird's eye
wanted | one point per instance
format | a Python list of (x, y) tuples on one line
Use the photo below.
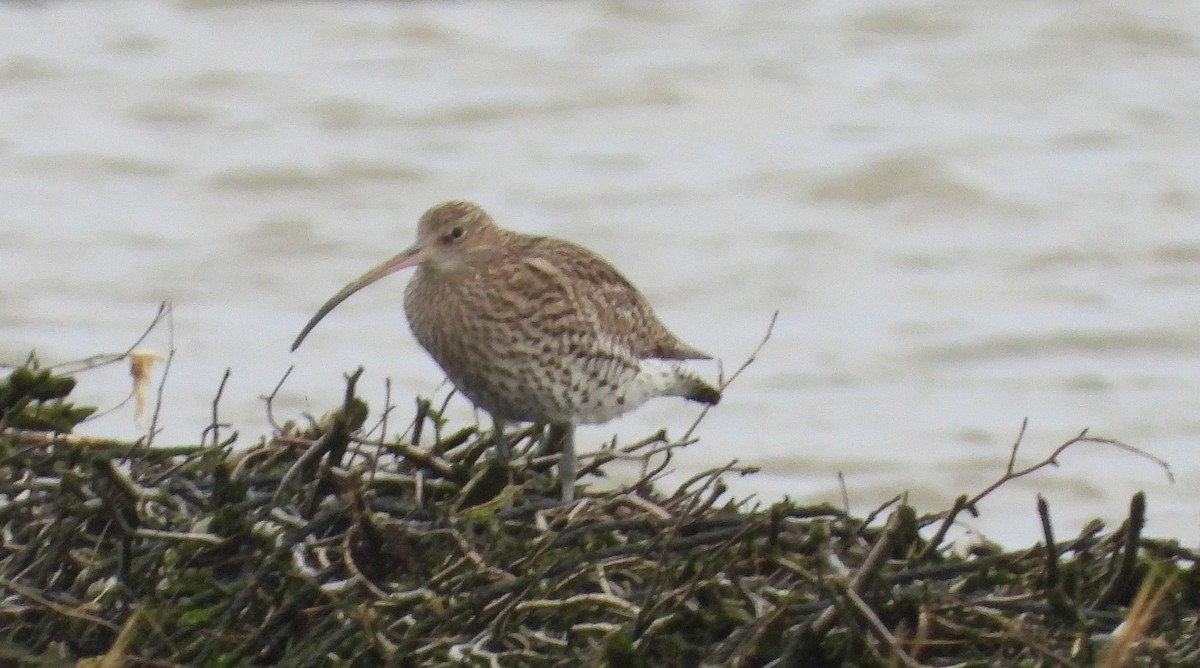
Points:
[(455, 233)]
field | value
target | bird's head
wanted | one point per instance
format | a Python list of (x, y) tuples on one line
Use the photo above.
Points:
[(450, 236)]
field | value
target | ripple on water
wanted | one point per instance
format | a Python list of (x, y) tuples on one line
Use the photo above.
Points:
[(344, 114), (1085, 28), (337, 175), (909, 176), (23, 68), (1068, 257), (1090, 342), (172, 112), (907, 23), (1180, 253), (503, 107), (286, 236), (94, 164)]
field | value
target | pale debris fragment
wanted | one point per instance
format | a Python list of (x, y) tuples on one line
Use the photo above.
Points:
[(141, 361)]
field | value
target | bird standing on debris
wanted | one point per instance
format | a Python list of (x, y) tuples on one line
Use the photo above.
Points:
[(533, 329)]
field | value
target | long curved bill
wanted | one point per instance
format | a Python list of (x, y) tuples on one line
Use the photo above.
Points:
[(408, 258)]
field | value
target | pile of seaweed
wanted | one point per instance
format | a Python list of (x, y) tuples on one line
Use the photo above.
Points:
[(327, 544)]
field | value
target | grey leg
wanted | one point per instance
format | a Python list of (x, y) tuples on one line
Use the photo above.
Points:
[(567, 465), (501, 443)]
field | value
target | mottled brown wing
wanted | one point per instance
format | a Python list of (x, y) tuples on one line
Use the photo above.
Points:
[(622, 313)]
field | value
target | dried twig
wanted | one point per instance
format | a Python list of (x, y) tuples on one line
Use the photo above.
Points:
[(162, 381), (1011, 472), (270, 399), (750, 359), (214, 427)]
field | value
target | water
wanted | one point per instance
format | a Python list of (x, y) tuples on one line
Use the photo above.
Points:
[(967, 215)]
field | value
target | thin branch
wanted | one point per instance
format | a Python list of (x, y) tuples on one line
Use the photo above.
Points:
[(940, 535), (1012, 473), (687, 435), (162, 382), (214, 427), (845, 492), (95, 361), (270, 400)]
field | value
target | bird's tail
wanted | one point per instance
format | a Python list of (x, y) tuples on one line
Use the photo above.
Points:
[(668, 377), (700, 391)]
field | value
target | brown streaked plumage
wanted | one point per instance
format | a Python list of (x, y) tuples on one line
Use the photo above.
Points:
[(533, 329)]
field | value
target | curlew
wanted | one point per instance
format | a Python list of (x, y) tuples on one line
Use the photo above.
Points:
[(532, 328)]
